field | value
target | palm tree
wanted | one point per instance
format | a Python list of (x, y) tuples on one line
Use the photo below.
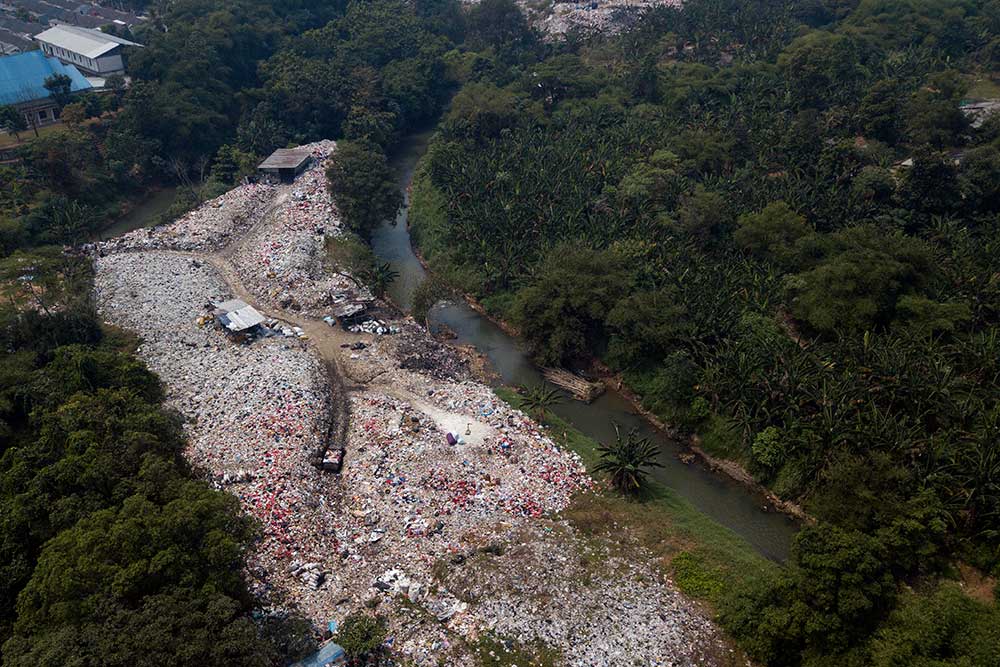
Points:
[(380, 277), (627, 460), (538, 399)]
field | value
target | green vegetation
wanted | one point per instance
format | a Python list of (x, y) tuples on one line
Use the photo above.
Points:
[(775, 220), (703, 558), (112, 550), (361, 635), (493, 651), (627, 460), (363, 187), (538, 399), (380, 277)]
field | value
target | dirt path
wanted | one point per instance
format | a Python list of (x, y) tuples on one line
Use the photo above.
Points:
[(325, 339)]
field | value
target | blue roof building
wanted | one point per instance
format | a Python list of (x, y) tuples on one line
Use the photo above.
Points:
[(22, 77)]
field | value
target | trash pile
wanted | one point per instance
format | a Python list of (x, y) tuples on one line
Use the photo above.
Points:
[(375, 327), (418, 352), (586, 598), (255, 414), (605, 16), (310, 574), (209, 227), (439, 481), (283, 262)]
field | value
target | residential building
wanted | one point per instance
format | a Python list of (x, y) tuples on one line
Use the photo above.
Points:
[(22, 85), (94, 52)]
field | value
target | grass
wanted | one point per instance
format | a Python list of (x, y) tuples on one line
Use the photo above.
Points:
[(983, 87), (720, 439), (493, 651), (703, 558), (26, 136)]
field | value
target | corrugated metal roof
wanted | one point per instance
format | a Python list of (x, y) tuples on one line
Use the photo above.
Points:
[(83, 41), (237, 315), (22, 77), (286, 158)]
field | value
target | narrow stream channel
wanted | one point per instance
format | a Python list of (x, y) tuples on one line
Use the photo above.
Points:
[(727, 502), (142, 215)]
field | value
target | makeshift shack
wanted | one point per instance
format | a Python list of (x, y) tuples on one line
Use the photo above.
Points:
[(237, 316), (352, 312), (285, 164)]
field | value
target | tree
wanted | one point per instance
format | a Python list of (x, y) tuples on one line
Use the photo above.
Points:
[(562, 312), (431, 291), (59, 87), (12, 121), (819, 66), (362, 186), (838, 586), (857, 280), (481, 111), (932, 114), (946, 628), (627, 460), (361, 635), (74, 114), (702, 216), (117, 85), (380, 277), (538, 399), (500, 25), (772, 233)]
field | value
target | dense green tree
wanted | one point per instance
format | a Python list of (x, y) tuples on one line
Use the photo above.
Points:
[(562, 312), (499, 25), (857, 282), (59, 86), (946, 629), (772, 233), (833, 594), (361, 635), (362, 186), (12, 121)]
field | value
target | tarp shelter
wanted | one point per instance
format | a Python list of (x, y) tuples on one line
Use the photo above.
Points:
[(236, 315), (329, 654), (286, 163)]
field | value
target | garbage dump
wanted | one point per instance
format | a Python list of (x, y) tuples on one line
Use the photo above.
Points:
[(448, 538)]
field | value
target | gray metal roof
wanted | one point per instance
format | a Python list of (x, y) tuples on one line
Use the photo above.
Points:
[(286, 158), (237, 315), (83, 41)]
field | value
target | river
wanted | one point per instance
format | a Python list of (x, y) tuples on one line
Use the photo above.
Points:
[(142, 214), (727, 502)]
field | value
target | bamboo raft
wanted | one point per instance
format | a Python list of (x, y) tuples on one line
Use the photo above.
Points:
[(581, 389)]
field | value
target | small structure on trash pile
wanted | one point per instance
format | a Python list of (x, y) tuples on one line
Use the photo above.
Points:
[(285, 164), (329, 654), (237, 316)]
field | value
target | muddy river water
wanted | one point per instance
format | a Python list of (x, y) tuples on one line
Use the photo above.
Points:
[(727, 502)]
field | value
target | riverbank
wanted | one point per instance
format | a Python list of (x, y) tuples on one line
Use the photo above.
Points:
[(732, 504), (700, 556), (612, 379)]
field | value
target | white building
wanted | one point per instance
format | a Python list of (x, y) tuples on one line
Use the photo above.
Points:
[(91, 51)]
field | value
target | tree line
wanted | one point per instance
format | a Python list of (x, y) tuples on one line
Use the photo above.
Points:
[(777, 222)]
